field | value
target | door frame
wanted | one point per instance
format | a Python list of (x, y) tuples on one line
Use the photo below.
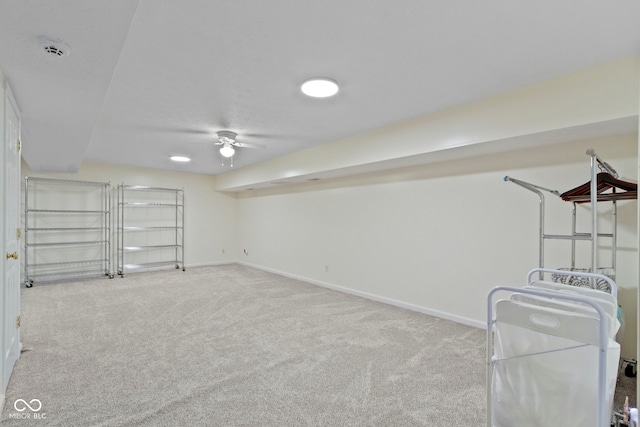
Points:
[(8, 103)]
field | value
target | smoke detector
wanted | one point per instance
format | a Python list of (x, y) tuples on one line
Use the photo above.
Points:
[(53, 47)]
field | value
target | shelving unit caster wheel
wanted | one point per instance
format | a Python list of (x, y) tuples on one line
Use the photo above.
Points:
[(28, 283)]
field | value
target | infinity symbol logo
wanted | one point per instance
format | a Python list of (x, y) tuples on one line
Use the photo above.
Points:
[(21, 405)]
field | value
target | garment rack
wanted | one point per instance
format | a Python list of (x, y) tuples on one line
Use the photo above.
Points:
[(603, 186)]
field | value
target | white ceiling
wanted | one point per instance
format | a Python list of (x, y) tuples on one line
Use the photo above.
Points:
[(148, 79)]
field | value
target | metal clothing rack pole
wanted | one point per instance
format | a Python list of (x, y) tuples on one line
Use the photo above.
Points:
[(537, 190), (594, 211), (597, 163)]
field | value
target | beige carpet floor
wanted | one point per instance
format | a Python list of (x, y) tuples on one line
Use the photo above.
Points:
[(231, 345)]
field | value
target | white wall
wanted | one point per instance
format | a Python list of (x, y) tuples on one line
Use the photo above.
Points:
[(210, 220), (435, 237)]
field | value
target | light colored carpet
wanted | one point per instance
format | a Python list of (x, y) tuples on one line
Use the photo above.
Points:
[(231, 345)]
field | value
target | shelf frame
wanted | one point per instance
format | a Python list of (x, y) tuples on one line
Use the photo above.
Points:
[(159, 199), (35, 236)]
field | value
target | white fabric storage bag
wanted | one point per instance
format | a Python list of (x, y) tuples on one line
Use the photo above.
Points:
[(607, 301), (546, 367), (571, 306)]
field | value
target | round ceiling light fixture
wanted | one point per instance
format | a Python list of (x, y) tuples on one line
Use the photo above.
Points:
[(227, 150), (320, 87), (182, 159)]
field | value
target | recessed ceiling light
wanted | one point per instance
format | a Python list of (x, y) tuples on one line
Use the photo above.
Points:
[(180, 159), (319, 87)]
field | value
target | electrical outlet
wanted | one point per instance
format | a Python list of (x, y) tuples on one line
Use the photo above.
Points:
[(246, 252)]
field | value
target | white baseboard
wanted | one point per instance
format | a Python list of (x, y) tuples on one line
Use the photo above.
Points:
[(378, 298), (209, 264)]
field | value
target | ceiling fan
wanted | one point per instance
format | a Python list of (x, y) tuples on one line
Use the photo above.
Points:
[(227, 141)]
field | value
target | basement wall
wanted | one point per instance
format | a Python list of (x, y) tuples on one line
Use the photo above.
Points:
[(437, 238)]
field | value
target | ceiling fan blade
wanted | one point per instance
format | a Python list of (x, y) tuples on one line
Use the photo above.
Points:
[(183, 130), (193, 132), (255, 135), (249, 145)]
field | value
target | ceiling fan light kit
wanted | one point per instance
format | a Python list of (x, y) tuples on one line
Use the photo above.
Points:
[(227, 150), (227, 139)]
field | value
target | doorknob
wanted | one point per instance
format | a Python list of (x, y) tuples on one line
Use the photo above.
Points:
[(13, 255)]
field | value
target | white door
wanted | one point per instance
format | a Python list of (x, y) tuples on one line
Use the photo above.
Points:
[(11, 285)]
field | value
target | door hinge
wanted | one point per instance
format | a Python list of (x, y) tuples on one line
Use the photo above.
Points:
[(19, 146), (18, 233), (18, 322)]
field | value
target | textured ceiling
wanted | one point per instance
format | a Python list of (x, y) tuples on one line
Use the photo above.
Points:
[(151, 78)]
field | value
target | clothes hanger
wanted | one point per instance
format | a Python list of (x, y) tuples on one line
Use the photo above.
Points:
[(620, 190)]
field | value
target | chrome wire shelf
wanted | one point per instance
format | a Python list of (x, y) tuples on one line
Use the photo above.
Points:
[(62, 219), (149, 228)]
